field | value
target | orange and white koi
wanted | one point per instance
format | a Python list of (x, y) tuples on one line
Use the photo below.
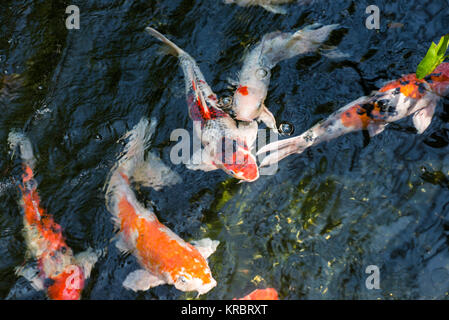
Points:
[(164, 257), (394, 101), (226, 147), (254, 77), (61, 274), (261, 294)]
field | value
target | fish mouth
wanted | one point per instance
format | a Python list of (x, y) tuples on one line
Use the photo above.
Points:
[(207, 287), (248, 172)]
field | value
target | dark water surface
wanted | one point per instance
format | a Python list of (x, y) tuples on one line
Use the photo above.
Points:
[(310, 230)]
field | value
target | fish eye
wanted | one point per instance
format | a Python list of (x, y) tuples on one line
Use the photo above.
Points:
[(227, 101), (182, 279), (261, 73)]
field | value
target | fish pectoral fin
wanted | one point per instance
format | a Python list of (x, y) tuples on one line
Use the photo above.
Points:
[(422, 118), (274, 8), (376, 128), (206, 246), (201, 160), (122, 246), (141, 280), (32, 275), (332, 52), (267, 117), (87, 260), (249, 131)]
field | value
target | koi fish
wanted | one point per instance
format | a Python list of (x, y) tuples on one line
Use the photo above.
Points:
[(261, 294), (226, 147), (164, 257), (61, 274), (254, 77), (394, 101), (274, 6)]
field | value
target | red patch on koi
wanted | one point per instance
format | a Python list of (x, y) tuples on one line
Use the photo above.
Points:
[(197, 110), (353, 118), (125, 177), (360, 116), (28, 175), (439, 79), (408, 85), (204, 110), (43, 222), (243, 90), (235, 156), (67, 285)]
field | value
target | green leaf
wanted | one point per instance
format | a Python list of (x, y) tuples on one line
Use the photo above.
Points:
[(442, 46), (434, 57)]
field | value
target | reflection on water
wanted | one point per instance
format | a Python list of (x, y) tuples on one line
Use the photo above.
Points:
[(310, 230)]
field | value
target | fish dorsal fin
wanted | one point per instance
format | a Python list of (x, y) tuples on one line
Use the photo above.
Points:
[(206, 246), (122, 246), (200, 98), (422, 118), (267, 117), (87, 260), (277, 9), (376, 128)]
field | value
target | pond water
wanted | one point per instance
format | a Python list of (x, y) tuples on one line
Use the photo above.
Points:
[(311, 229)]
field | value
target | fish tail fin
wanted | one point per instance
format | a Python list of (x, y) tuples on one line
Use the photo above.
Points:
[(87, 259), (315, 35), (316, 32), (332, 52), (281, 149), (174, 49), (277, 46), (18, 140)]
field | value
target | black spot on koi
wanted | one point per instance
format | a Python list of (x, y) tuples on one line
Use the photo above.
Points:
[(421, 87)]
